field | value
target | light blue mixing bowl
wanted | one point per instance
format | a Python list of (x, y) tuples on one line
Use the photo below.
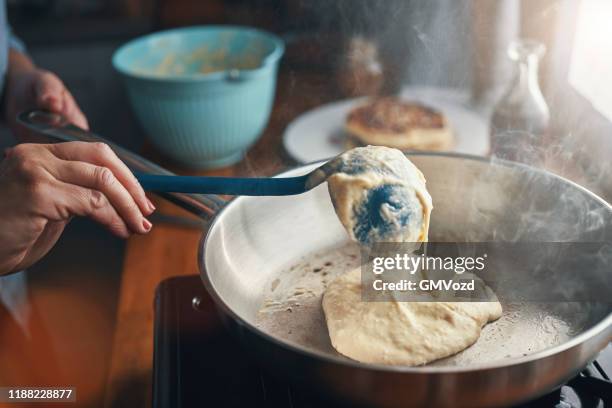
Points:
[(202, 94)]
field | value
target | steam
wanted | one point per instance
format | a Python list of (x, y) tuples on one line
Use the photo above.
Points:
[(260, 168), (462, 44)]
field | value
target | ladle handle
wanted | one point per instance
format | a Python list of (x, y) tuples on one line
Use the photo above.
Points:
[(58, 129)]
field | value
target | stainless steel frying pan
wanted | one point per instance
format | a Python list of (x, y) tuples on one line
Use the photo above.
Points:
[(252, 240)]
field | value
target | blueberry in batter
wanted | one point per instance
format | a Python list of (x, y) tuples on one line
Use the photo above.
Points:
[(385, 210), (379, 195)]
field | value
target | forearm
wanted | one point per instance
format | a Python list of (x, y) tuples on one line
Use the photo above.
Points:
[(19, 65), (30, 87), (18, 62)]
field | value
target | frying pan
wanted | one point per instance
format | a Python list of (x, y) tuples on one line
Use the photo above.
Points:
[(252, 241)]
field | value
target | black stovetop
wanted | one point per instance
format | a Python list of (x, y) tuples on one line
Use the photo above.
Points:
[(197, 363)]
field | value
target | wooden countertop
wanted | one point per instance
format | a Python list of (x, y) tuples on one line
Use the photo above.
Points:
[(171, 249)]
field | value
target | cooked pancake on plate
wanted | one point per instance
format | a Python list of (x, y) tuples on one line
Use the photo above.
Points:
[(404, 125)]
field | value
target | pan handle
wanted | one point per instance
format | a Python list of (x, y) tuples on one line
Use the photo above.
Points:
[(58, 129)]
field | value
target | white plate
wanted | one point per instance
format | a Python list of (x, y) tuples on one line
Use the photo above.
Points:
[(318, 134)]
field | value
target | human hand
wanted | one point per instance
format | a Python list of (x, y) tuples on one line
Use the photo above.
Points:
[(44, 186), (29, 87)]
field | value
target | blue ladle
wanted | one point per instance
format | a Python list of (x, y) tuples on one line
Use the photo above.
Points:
[(250, 186), (57, 127)]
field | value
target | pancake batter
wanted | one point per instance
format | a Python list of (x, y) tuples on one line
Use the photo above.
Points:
[(379, 195), (400, 333)]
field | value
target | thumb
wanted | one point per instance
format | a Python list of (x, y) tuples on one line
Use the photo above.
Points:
[(48, 91)]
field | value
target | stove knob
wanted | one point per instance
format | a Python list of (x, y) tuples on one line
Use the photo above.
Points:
[(196, 302)]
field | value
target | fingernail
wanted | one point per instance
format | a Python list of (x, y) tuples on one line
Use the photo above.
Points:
[(146, 224), (151, 206)]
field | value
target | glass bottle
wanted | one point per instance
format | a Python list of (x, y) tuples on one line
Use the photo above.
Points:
[(521, 119)]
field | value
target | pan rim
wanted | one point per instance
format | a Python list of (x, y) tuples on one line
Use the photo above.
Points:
[(577, 340)]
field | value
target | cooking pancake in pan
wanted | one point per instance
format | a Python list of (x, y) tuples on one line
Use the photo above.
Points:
[(379, 195), (400, 333)]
